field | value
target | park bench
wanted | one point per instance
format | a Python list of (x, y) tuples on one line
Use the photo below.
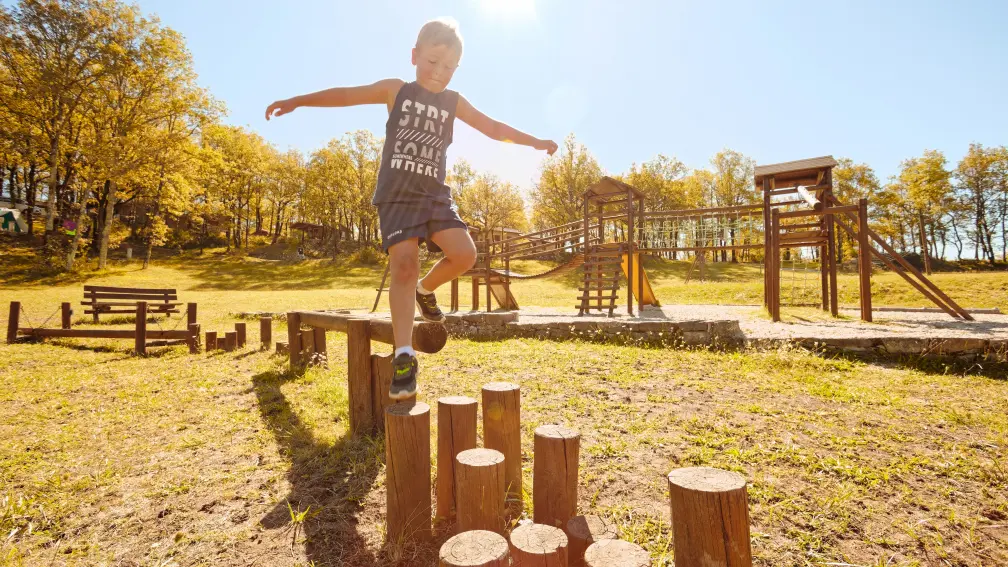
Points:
[(105, 299)]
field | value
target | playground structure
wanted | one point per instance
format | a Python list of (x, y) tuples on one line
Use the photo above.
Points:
[(479, 489), (798, 212)]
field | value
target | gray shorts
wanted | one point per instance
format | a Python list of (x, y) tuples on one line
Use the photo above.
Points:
[(401, 221)]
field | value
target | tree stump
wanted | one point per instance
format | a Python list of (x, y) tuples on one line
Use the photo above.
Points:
[(536, 545), (479, 486), (456, 433), (582, 531), (282, 348), (211, 340), (265, 332), (407, 473), (477, 548), (616, 553), (710, 518), (240, 330), (230, 340), (502, 432), (555, 475)]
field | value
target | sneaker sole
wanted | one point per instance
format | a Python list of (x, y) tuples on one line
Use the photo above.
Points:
[(402, 395)]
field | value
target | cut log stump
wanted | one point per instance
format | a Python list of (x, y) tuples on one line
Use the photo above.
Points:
[(476, 548), (710, 518)]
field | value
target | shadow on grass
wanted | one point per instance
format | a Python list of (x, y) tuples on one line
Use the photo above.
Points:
[(330, 482)]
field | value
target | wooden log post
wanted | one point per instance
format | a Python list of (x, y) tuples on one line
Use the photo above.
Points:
[(319, 346), (616, 553), (864, 261), (582, 531), (13, 320), (230, 341), (210, 340), (308, 346), (190, 314), (240, 330), (194, 338), (66, 312), (555, 475), (477, 548), (381, 381), (282, 349), (502, 432), (407, 473), (265, 332), (536, 545), (710, 518), (294, 340), (140, 337), (359, 383), (454, 303), (479, 487), (456, 433)]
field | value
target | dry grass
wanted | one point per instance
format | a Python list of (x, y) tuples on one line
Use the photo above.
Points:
[(226, 459)]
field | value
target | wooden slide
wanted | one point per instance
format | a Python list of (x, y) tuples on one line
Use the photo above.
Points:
[(503, 295), (649, 296)]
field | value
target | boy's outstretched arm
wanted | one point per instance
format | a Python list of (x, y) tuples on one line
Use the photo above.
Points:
[(381, 92), (498, 130)]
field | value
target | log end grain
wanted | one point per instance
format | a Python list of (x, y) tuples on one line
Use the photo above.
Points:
[(476, 548), (616, 553), (706, 479), (538, 544)]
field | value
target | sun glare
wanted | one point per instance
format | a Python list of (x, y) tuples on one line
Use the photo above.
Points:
[(517, 9)]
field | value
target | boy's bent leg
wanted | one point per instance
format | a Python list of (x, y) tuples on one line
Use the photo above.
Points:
[(459, 256), (404, 271)]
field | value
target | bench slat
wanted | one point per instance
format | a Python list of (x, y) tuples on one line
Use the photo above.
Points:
[(137, 296), (88, 288), (133, 311), (159, 304)]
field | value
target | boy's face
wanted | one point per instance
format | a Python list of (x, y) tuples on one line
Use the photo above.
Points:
[(435, 65)]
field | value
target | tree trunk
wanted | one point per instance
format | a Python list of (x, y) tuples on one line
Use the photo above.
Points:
[(107, 227), (81, 216)]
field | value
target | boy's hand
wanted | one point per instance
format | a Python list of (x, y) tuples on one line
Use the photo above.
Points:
[(548, 145), (281, 107)]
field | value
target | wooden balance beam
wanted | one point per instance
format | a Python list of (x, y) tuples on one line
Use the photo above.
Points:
[(368, 375)]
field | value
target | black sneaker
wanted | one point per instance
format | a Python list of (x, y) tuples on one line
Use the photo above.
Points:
[(404, 371), (428, 308)]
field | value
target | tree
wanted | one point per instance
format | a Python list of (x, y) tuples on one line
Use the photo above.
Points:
[(928, 188), (558, 197), (979, 178), (491, 204), (733, 186), (852, 182)]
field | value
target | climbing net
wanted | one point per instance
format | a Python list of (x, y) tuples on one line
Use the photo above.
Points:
[(719, 229)]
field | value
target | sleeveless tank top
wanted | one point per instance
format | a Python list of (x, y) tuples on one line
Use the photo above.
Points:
[(417, 135)]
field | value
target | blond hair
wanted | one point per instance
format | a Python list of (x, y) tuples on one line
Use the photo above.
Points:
[(441, 31)]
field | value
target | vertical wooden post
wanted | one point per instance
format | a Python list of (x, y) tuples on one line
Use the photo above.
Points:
[(710, 518), (454, 305), (475, 293), (832, 252), (538, 545), (230, 341), (66, 313), (630, 250), (479, 487), (766, 243), (359, 385), (191, 314), (489, 276), (210, 340), (502, 432), (407, 472), (381, 381), (456, 433), (555, 475), (294, 339), (194, 337), (824, 264), (640, 257), (140, 339), (240, 334), (319, 342), (13, 320), (308, 346), (864, 260), (266, 332), (477, 548), (773, 265)]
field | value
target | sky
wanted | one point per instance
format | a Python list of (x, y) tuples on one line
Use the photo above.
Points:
[(878, 82)]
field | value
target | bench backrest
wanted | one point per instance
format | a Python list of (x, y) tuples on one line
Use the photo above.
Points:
[(107, 293)]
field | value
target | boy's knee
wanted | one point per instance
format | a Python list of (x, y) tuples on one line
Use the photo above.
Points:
[(466, 256), (404, 267)]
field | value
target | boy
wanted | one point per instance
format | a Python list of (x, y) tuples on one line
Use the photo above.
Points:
[(413, 201)]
